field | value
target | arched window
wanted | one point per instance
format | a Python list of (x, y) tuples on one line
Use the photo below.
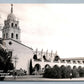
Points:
[(56, 58), (6, 35), (35, 57), (47, 66), (74, 67), (37, 67), (12, 25), (15, 25), (12, 35), (16, 36)]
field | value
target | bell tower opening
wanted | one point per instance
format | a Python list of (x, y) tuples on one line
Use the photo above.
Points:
[(12, 35), (11, 24), (16, 36)]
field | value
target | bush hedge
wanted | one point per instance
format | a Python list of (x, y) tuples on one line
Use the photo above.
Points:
[(63, 72)]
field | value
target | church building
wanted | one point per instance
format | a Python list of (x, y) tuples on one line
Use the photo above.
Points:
[(21, 54)]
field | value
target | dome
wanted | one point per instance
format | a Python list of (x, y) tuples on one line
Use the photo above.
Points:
[(11, 16)]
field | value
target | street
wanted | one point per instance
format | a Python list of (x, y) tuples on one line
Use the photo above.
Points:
[(39, 78)]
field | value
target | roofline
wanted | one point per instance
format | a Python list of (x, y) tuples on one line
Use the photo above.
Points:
[(19, 43), (73, 58)]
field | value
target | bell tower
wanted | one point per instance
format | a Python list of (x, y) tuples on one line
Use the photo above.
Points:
[(11, 28)]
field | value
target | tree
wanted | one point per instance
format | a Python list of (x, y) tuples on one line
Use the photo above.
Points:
[(63, 71), (31, 68), (75, 73), (57, 71), (5, 61), (52, 72), (68, 71), (81, 71), (48, 73)]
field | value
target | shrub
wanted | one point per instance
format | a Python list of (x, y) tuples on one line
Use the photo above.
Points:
[(47, 73), (68, 71), (63, 71), (52, 72), (5, 62), (75, 73), (57, 71), (81, 72)]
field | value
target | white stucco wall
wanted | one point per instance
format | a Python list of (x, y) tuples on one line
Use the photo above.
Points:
[(23, 53), (51, 64)]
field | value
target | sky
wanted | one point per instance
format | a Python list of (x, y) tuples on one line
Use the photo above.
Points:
[(57, 27)]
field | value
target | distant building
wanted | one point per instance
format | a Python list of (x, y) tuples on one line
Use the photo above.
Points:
[(42, 60), (22, 54)]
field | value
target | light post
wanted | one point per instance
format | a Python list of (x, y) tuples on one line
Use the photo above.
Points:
[(15, 61)]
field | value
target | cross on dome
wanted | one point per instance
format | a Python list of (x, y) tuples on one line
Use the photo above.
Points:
[(11, 8)]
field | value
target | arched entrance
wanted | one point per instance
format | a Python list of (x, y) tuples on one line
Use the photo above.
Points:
[(74, 67), (37, 69), (47, 66)]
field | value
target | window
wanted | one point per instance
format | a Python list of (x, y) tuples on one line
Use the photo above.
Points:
[(83, 62), (12, 35), (12, 25), (56, 58), (62, 61), (10, 43), (68, 61), (16, 36), (15, 25), (79, 62), (6, 35), (74, 61)]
